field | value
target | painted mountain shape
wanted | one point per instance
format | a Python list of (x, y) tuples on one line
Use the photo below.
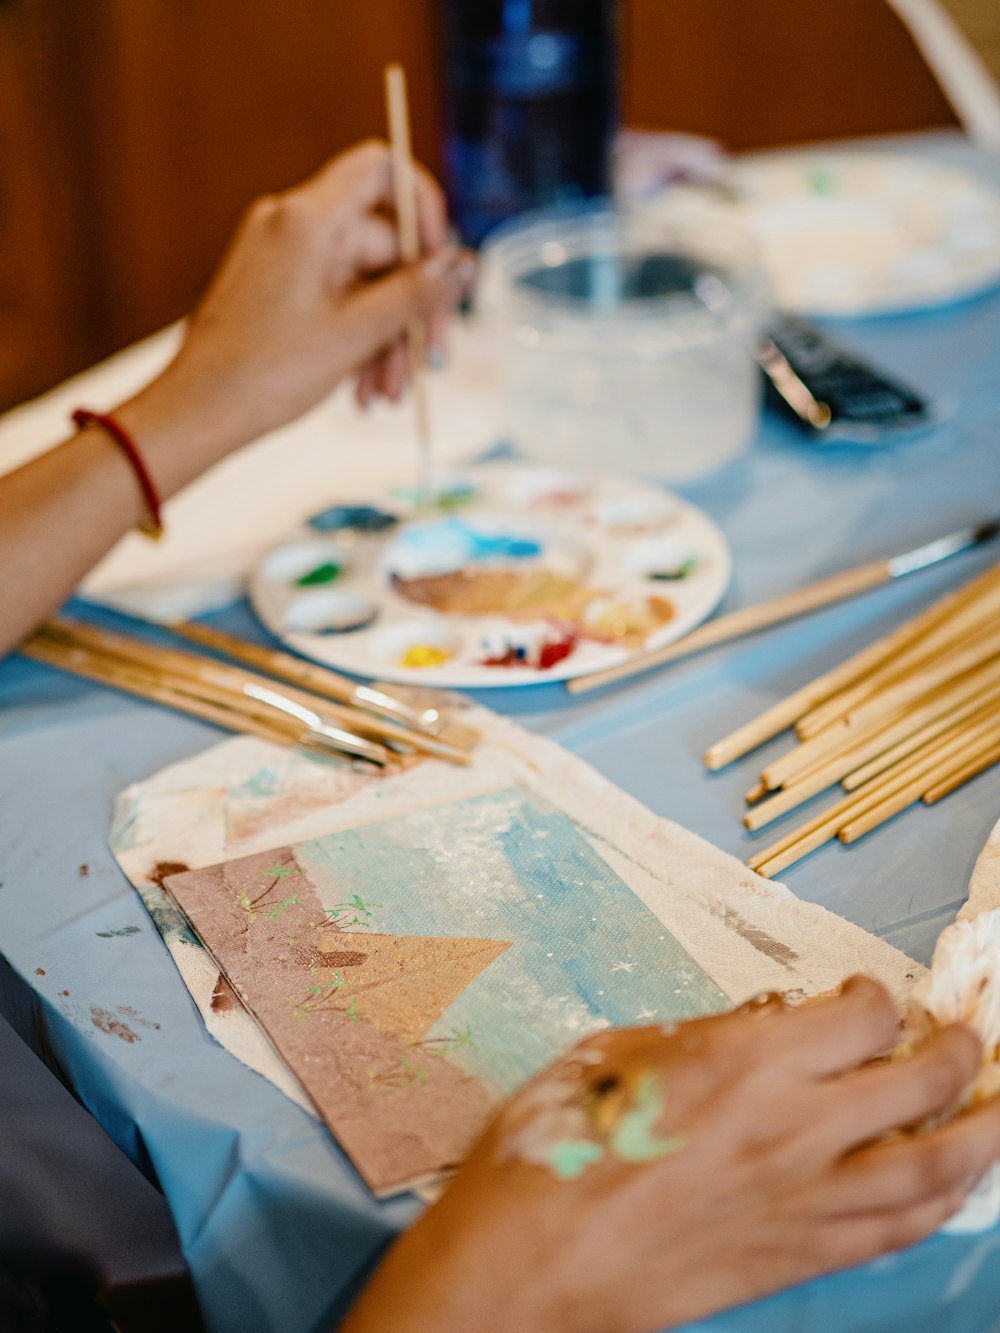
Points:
[(348, 1010), (404, 983)]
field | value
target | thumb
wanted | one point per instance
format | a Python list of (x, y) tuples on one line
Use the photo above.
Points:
[(376, 314)]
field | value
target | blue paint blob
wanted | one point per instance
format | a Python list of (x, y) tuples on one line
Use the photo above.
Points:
[(360, 518), (449, 544)]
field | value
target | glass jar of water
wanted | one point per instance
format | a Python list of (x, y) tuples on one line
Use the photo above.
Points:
[(626, 338)]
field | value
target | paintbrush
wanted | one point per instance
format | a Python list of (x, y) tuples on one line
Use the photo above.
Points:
[(409, 248), (813, 597), (226, 709), (337, 722), (321, 680)]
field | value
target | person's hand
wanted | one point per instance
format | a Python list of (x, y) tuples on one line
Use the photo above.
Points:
[(653, 1176), (310, 291)]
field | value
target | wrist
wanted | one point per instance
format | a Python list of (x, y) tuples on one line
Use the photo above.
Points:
[(182, 428), (460, 1271)]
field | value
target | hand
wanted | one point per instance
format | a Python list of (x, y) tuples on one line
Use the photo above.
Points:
[(310, 291), (654, 1176)]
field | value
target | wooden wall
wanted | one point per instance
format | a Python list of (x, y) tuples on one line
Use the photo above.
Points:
[(133, 132), (754, 72)]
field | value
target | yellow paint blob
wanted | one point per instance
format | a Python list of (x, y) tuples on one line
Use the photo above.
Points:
[(424, 655)]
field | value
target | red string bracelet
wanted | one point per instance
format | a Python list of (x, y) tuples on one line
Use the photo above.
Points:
[(152, 524)]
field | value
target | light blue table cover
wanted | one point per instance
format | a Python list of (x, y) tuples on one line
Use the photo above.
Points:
[(276, 1227)]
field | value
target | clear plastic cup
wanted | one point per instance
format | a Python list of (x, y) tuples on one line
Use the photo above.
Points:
[(626, 339)]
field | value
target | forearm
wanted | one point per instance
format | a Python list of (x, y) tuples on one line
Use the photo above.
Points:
[(310, 291), (477, 1260), (65, 510)]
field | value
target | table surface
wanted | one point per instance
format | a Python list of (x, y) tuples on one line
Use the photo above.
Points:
[(277, 1229)]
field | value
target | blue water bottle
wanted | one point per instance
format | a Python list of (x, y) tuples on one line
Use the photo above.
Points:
[(531, 106)]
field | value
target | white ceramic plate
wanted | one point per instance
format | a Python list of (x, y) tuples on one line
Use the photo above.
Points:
[(852, 233), (609, 531)]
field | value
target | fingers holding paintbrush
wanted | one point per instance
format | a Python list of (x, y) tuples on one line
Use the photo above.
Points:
[(409, 245)]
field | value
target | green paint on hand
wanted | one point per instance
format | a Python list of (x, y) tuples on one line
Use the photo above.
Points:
[(571, 1158), (633, 1139), (327, 572), (113, 934)]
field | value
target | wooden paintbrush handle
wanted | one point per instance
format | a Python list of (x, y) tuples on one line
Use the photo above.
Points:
[(294, 669), (891, 648), (81, 663), (747, 621)]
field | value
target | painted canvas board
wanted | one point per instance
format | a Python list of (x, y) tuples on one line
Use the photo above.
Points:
[(414, 972), (243, 798)]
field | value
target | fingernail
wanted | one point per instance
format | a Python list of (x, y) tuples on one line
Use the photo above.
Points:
[(439, 263), (465, 269), (435, 356), (451, 263)]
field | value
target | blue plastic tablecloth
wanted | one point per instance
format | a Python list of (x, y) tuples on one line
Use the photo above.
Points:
[(276, 1227)]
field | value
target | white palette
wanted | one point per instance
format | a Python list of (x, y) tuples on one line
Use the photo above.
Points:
[(857, 233), (608, 532)]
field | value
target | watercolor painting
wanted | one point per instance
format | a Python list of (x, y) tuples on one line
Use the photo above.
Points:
[(412, 972)]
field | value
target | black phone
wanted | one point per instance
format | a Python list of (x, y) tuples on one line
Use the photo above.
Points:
[(830, 391)]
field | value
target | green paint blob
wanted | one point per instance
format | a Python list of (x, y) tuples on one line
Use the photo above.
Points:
[(820, 180), (571, 1158), (173, 926), (113, 934), (682, 571), (633, 1139), (455, 498), (324, 573)]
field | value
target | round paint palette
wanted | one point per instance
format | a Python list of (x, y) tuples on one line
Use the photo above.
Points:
[(519, 574), (857, 233)]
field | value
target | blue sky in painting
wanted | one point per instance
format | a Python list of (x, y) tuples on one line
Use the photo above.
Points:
[(587, 953)]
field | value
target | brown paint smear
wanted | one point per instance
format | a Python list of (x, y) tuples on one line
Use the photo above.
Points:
[(105, 1021), (130, 1012), (472, 592), (759, 939), (163, 869), (224, 998)]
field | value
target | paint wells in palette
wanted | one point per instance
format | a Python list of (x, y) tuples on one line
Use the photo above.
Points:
[(628, 620), (663, 558), (448, 493), (448, 545), (491, 567), (547, 573), (635, 514), (547, 488), (417, 644), (330, 611), (353, 518), (471, 592), (305, 564), (540, 645)]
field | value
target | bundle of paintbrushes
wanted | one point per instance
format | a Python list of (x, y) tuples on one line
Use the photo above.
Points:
[(908, 719), (312, 708)]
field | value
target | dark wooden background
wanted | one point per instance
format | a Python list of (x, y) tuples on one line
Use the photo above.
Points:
[(133, 132)]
